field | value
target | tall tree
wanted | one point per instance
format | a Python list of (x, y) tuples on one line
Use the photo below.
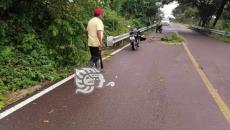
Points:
[(220, 11), (206, 9)]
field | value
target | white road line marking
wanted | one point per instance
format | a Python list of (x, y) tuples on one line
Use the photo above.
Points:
[(36, 96), (115, 52), (211, 89), (45, 91)]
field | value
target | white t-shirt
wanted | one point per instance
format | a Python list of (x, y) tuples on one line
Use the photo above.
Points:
[(94, 25)]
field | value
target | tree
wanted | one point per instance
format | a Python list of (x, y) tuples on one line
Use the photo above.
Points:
[(186, 13), (146, 11), (206, 9), (220, 11)]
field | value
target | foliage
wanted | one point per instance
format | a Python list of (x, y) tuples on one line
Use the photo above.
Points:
[(220, 37), (186, 14), (226, 20), (33, 48), (2, 101), (206, 9), (114, 24), (144, 11), (198, 13), (116, 5)]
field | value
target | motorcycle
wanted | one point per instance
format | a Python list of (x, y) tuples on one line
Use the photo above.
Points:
[(133, 41), (135, 38)]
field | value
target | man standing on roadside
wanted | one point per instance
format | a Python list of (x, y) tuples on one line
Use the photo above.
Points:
[(95, 30)]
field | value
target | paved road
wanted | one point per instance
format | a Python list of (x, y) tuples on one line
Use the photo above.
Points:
[(157, 88), (214, 57)]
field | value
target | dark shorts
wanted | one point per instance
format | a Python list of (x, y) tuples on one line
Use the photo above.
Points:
[(95, 57)]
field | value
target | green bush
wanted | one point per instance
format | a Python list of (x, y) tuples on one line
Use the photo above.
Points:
[(114, 24), (2, 101), (136, 23), (65, 41), (226, 24)]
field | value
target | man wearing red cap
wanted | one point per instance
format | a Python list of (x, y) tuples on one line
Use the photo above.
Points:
[(95, 31)]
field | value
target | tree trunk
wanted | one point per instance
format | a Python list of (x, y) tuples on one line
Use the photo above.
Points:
[(110, 4), (205, 21), (219, 12)]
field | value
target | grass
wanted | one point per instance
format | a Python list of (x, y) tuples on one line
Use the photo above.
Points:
[(220, 37), (220, 26), (215, 36), (173, 39), (3, 102)]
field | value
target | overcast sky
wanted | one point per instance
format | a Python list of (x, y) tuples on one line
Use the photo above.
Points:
[(167, 9)]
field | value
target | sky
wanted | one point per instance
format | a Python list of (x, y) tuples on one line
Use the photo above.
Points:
[(167, 9)]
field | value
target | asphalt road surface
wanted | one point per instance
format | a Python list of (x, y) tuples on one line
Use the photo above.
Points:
[(157, 88)]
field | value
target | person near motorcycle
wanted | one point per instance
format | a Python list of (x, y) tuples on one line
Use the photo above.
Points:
[(159, 27), (95, 29)]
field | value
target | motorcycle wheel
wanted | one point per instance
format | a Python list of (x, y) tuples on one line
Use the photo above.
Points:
[(138, 43), (133, 46)]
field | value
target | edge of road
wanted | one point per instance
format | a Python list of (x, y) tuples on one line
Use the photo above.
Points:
[(47, 90), (217, 98)]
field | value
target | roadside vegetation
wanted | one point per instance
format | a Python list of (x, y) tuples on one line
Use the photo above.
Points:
[(209, 14), (204, 13), (173, 39), (44, 40), (220, 37)]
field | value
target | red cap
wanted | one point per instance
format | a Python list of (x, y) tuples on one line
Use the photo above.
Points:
[(98, 11)]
